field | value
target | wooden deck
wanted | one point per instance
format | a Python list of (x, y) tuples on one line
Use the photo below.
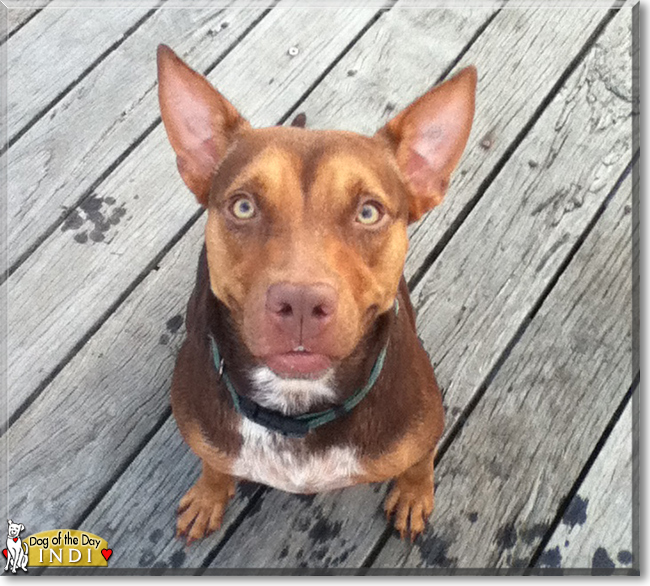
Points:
[(525, 280)]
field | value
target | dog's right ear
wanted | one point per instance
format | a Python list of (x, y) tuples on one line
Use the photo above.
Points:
[(199, 121), (9, 521)]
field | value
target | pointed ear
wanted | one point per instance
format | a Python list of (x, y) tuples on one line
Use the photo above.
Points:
[(199, 121), (428, 138)]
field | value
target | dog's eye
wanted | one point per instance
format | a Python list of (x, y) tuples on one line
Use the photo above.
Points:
[(369, 214), (243, 208)]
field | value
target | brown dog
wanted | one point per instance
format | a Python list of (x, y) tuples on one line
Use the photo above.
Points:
[(301, 368)]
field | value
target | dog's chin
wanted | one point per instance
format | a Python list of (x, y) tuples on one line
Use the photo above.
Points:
[(299, 365)]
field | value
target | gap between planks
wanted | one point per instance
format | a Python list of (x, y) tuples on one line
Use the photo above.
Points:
[(19, 20), (66, 90), (627, 400), (449, 233), (457, 428)]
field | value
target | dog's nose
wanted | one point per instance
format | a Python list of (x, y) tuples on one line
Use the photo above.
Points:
[(301, 311)]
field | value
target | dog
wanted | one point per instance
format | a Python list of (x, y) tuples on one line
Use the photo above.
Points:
[(301, 368), (16, 555)]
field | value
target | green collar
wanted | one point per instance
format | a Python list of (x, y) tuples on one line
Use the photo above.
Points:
[(300, 425)]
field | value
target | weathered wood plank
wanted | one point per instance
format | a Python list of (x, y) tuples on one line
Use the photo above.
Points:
[(101, 406), (541, 417), (144, 525), (53, 49), (71, 282), (487, 280), (596, 529), (512, 85), (67, 151), (17, 16), (328, 530), (383, 73), (528, 220)]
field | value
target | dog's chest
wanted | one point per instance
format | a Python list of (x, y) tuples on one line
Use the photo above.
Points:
[(269, 458)]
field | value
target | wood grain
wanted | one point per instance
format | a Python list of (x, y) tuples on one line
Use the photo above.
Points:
[(541, 416), (53, 49), (67, 151), (482, 287), (81, 271), (596, 529), (328, 530), (514, 79), (17, 16), (96, 413), (384, 72), (145, 523)]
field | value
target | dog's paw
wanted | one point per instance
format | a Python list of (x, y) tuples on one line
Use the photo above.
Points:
[(412, 506), (201, 510)]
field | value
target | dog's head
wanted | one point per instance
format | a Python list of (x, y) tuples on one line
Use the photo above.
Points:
[(306, 232), (14, 528)]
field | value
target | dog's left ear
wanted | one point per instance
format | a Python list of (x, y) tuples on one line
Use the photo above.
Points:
[(22, 527), (429, 136)]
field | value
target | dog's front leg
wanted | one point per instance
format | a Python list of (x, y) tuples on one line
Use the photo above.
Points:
[(201, 510), (411, 498)]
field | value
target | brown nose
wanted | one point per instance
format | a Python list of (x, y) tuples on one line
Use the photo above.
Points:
[(301, 312)]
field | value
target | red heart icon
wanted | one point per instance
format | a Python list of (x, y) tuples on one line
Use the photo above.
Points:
[(107, 553), (4, 552), (15, 539)]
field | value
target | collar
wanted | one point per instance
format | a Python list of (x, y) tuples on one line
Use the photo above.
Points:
[(299, 425)]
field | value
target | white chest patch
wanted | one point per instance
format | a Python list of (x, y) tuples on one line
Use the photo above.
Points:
[(283, 463), (290, 396)]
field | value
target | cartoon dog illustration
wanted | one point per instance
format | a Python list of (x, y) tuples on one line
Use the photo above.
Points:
[(15, 551)]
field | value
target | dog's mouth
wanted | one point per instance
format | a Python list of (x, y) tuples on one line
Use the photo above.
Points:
[(299, 363)]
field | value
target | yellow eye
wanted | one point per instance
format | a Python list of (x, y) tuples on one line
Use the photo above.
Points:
[(243, 208), (369, 214)]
